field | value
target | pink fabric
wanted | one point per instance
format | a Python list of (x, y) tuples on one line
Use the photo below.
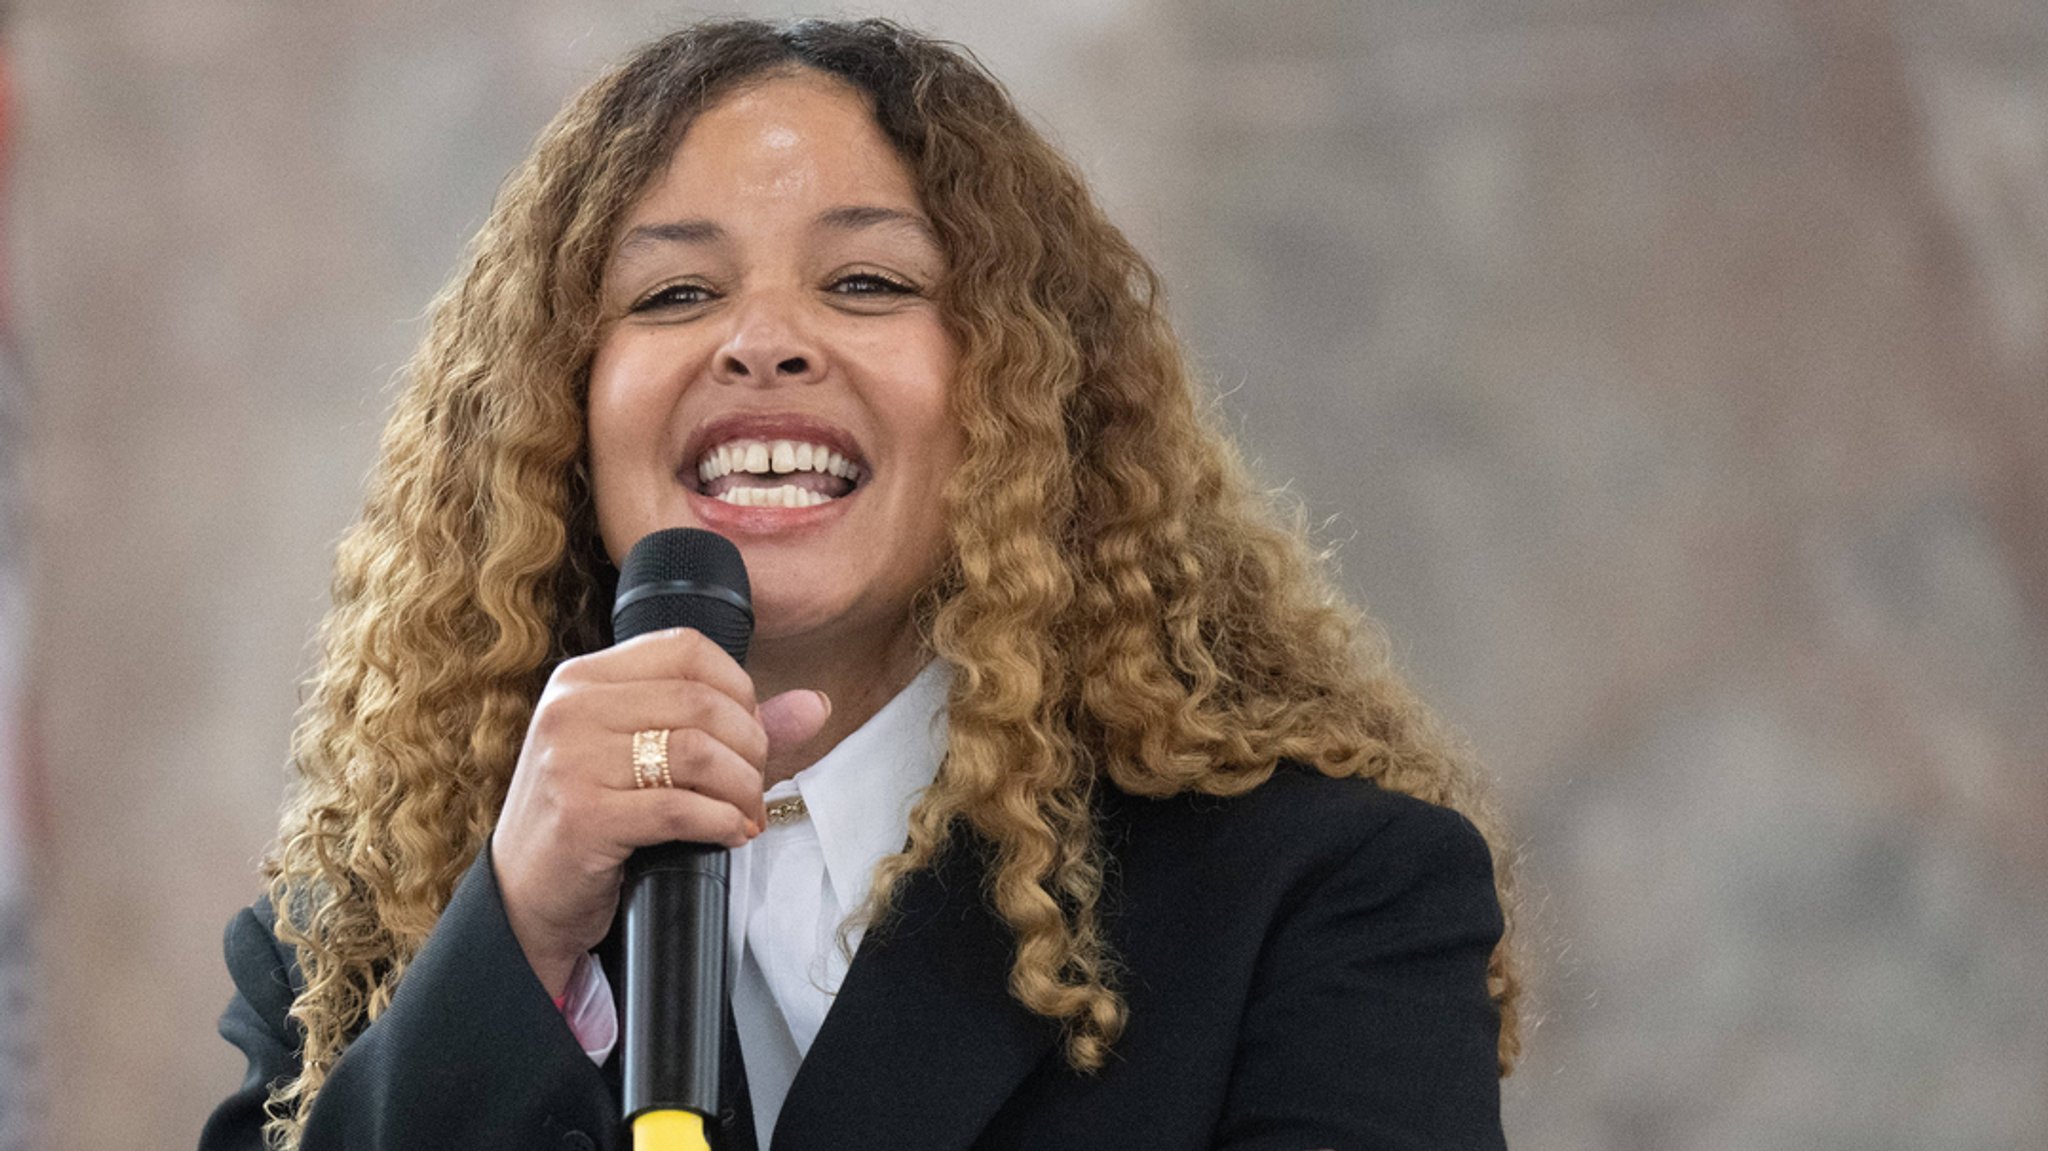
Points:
[(586, 1006)]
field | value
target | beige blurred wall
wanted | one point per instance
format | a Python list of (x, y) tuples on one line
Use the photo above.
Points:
[(1672, 377)]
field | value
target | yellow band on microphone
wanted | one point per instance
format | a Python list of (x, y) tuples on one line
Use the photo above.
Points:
[(669, 1131)]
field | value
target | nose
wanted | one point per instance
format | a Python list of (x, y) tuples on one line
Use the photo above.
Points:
[(768, 344)]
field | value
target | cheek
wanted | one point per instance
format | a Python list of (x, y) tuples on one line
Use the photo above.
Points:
[(622, 422), (615, 395), (634, 387), (931, 399), (607, 418)]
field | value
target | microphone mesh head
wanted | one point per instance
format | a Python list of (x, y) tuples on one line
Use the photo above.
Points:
[(702, 558), (685, 554)]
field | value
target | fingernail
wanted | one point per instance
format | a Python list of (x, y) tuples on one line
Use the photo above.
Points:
[(824, 699), (753, 829)]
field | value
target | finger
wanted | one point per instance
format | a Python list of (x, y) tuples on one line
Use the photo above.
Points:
[(677, 653), (665, 815), (794, 717), (624, 708), (698, 763)]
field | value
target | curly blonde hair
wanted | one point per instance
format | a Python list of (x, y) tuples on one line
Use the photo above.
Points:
[(1121, 603)]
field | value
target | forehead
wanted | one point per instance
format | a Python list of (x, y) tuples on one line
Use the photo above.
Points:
[(790, 139)]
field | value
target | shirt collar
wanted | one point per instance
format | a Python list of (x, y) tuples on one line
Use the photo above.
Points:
[(860, 793)]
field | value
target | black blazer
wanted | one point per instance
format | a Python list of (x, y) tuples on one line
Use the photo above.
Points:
[(1305, 967)]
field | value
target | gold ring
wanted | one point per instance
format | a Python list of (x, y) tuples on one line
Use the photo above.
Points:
[(650, 758)]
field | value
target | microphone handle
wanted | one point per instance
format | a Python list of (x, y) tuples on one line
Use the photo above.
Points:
[(674, 904)]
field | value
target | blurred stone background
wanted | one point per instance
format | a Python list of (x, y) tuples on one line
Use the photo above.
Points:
[(1671, 375)]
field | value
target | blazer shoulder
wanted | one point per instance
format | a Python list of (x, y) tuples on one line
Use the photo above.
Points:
[(1301, 790), (1363, 826), (1368, 1020), (1300, 810), (265, 971), (1276, 844)]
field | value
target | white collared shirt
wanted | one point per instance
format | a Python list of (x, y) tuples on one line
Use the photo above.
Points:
[(795, 885)]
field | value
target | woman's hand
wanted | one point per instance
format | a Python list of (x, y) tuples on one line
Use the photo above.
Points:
[(573, 814)]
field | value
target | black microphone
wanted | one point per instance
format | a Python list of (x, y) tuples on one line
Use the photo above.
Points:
[(674, 897)]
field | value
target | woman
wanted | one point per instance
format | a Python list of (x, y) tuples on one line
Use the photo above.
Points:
[(1186, 864)]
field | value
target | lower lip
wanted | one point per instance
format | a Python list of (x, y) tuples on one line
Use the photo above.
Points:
[(732, 519)]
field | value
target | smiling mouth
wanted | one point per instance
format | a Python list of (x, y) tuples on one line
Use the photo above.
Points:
[(756, 473)]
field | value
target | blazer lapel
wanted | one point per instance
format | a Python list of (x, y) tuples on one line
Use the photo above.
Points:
[(735, 1102), (924, 1042)]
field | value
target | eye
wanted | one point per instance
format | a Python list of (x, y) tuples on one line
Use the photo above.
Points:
[(687, 294), (871, 284)]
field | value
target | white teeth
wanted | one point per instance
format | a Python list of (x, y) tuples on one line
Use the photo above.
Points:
[(773, 457), (783, 496)]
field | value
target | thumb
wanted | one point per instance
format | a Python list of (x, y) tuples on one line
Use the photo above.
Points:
[(794, 716)]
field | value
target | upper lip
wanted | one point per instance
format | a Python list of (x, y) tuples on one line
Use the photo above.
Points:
[(769, 426)]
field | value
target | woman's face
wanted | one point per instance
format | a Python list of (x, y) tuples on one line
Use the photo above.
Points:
[(773, 367)]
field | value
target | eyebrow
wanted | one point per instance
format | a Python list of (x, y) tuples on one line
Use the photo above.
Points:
[(693, 232), (699, 232), (856, 217)]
